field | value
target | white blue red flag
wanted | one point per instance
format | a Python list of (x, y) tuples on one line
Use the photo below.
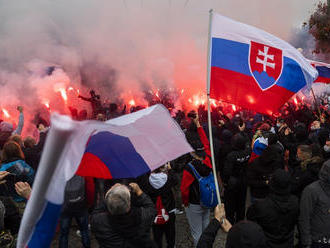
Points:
[(125, 147), (324, 72), (254, 69)]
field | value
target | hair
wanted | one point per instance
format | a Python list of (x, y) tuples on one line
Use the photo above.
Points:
[(29, 142), (11, 150), (16, 138), (306, 149), (118, 200)]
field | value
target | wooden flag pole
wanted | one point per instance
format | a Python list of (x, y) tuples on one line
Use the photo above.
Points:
[(209, 106)]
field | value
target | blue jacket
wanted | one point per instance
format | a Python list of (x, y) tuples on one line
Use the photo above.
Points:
[(23, 172)]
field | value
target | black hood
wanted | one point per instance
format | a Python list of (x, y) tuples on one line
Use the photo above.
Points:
[(246, 234), (238, 142)]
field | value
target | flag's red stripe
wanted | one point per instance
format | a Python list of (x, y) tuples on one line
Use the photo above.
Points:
[(242, 90), (92, 166), (322, 80)]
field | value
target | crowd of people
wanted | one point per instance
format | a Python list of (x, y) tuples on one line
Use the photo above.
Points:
[(281, 160)]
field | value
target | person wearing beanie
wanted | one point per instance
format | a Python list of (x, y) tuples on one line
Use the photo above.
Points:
[(245, 234), (278, 213), (314, 219)]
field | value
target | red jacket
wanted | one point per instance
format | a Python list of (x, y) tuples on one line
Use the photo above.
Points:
[(188, 177)]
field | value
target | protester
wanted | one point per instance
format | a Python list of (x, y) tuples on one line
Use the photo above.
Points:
[(197, 215), (7, 129), (13, 161), (159, 186), (235, 179), (125, 219), (278, 213), (75, 206), (307, 171), (245, 234), (314, 220)]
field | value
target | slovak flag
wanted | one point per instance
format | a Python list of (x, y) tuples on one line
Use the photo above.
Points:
[(323, 70), (125, 147), (252, 68)]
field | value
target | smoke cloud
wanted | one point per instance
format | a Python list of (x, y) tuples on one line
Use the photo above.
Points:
[(119, 48)]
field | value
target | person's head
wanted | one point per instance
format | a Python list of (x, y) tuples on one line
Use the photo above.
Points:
[(280, 182), (29, 142), (11, 150), (304, 152), (315, 125), (118, 199), (238, 142), (113, 107), (100, 117), (16, 138), (246, 234)]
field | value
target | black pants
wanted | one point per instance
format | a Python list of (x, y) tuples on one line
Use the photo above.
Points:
[(168, 229), (235, 203)]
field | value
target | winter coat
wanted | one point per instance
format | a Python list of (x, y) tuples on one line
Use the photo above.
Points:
[(260, 170), (314, 219), (305, 174), (22, 171), (131, 230), (236, 163), (189, 184), (277, 215), (160, 184)]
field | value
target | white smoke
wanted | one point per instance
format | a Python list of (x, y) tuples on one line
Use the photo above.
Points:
[(118, 47)]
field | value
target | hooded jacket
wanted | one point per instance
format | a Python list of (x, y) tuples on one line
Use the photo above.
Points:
[(244, 234), (236, 162), (305, 174), (160, 184), (260, 170), (314, 219), (277, 215)]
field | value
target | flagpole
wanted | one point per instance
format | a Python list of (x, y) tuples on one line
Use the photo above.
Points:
[(315, 102), (209, 48)]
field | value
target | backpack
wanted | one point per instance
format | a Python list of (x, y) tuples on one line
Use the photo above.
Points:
[(162, 215), (74, 197), (208, 195)]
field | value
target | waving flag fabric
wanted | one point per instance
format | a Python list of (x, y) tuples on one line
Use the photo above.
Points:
[(254, 69), (323, 70), (125, 147)]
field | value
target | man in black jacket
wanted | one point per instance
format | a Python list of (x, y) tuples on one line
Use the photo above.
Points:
[(245, 234), (314, 220), (235, 178), (125, 220), (278, 213), (159, 187)]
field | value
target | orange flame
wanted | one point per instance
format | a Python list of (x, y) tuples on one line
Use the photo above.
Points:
[(131, 102), (47, 104), (5, 112), (63, 94), (295, 101)]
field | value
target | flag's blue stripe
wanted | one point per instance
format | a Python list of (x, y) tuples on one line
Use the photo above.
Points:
[(118, 154), (292, 77), (230, 55), (323, 71), (44, 230), (234, 56)]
